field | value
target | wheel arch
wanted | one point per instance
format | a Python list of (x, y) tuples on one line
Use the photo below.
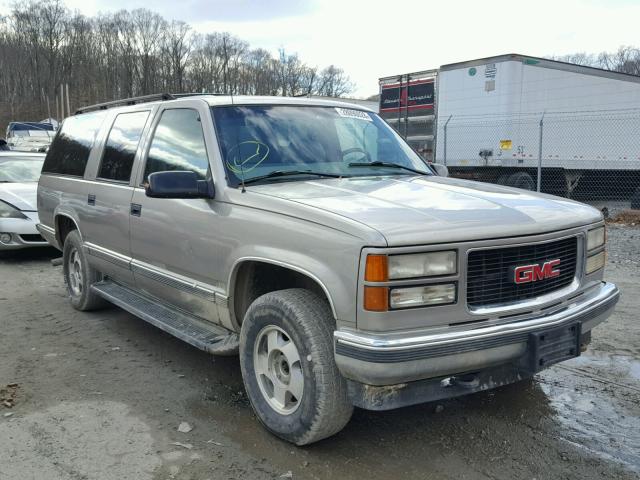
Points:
[(64, 223), (246, 269)]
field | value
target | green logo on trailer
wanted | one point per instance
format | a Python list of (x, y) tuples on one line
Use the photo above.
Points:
[(472, 71)]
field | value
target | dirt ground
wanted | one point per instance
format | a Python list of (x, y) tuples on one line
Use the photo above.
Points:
[(101, 395)]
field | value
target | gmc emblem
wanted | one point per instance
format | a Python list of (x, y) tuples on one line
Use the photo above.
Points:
[(533, 273)]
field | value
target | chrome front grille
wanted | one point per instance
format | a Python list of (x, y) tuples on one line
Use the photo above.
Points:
[(490, 272)]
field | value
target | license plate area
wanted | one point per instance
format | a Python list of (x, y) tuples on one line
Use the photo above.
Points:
[(554, 345)]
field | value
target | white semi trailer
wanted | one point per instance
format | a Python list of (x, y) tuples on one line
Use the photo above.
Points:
[(505, 119)]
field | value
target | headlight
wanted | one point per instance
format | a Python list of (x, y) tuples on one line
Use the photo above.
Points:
[(596, 262), (385, 268), (427, 295), (595, 238), (9, 211), (415, 265)]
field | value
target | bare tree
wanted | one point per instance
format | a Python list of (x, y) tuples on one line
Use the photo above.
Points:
[(580, 58), (624, 60), (148, 28), (176, 48), (334, 82)]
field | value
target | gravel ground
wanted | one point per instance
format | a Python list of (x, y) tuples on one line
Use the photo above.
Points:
[(101, 396)]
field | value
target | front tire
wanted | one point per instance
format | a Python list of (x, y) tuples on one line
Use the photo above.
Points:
[(79, 275), (288, 366)]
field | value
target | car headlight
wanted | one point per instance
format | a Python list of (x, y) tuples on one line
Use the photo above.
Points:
[(596, 262), (416, 265), (387, 268), (9, 211), (596, 256), (595, 238), (426, 295)]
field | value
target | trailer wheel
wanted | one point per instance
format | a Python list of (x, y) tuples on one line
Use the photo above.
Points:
[(502, 179), (635, 199), (521, 180)]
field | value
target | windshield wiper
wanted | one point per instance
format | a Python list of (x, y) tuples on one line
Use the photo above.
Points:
[(387, 164), (286, 173)]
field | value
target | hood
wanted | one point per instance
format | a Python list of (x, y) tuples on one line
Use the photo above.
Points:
[(417, 210), (20, 195)]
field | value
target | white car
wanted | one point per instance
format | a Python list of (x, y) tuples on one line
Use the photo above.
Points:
[(30, 136), (19, 174)]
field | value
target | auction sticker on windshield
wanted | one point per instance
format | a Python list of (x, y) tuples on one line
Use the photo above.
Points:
[(359, 114)]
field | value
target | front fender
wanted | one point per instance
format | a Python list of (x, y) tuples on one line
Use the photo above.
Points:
[(336, 274), (294, 267)]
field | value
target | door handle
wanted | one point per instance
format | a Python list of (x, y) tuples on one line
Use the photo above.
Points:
[(91, 199), (136, 209)]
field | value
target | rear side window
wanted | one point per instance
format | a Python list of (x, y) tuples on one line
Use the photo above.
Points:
[(121, 146), (178, 144), (70, 149)]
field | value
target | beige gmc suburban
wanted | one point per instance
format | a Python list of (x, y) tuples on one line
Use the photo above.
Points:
[(307, 236)]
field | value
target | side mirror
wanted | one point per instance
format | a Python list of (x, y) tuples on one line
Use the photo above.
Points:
[(178, 184), (440, 169)]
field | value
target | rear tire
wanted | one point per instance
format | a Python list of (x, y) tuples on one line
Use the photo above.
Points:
[(79, 275), (288, 366)]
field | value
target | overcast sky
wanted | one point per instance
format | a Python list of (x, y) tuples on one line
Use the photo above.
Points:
[(372, 38)]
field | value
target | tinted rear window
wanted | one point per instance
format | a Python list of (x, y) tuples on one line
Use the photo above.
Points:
[(121, 146), (70, 149), (22, 126)]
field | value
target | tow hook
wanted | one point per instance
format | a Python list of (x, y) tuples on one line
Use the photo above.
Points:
[(469, 380)]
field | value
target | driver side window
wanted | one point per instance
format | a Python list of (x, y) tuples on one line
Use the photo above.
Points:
[(178, 144)]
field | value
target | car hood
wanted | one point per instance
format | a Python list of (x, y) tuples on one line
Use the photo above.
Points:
[(417, 210), (20, 195)]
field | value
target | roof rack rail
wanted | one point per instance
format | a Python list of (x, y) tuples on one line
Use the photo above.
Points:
[(126, 101), (135, 100)]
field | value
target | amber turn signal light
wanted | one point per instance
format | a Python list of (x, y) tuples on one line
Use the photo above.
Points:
[(376, 299), (376, 269)]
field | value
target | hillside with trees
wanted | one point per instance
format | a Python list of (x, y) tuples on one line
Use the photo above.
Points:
[(43, 45)]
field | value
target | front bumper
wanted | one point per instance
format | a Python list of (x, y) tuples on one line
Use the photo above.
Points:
[(379, 360), (22, 232)]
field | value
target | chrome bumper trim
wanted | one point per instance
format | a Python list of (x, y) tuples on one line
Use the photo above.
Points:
[(484, 337)]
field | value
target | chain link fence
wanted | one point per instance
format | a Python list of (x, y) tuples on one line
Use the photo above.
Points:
[(591, 156)]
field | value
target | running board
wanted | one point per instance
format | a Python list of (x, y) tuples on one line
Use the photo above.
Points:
[(201, 334)]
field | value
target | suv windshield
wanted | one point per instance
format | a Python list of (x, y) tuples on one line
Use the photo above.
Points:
[(319, 142)]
